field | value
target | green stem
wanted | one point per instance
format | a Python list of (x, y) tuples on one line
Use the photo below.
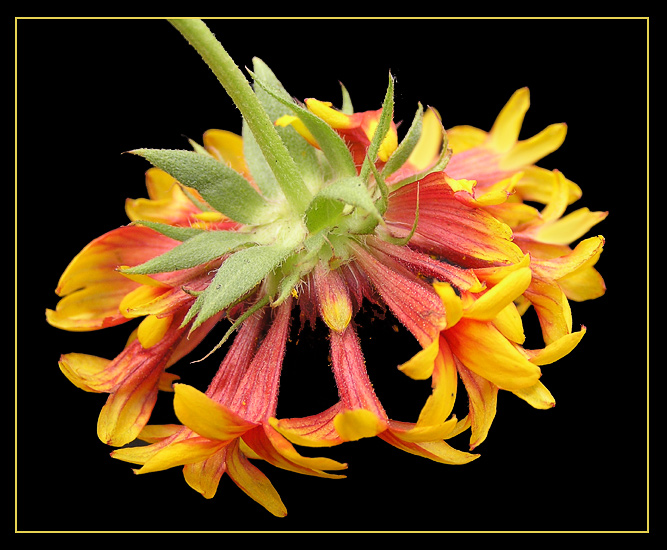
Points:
[(237, 86)]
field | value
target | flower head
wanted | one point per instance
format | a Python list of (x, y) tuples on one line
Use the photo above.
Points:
[(315, 211)]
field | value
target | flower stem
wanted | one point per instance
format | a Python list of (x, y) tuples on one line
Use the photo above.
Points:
[(237, 86)]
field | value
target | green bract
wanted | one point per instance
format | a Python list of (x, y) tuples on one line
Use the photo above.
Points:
[(308, 201)]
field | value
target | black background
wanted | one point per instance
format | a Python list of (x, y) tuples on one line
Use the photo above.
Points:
[(88, 90)]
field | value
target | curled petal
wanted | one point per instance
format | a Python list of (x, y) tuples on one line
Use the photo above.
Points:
[(556, 349), (485, 351), (253, 482), (128, 409), (412, 433), (187, 451), (204, 476), (270, 445), (440, 403), (206, 417), (437, 450), (552, 308), (420, 366), (537, 396), (311, 431), (483, 399), (493, 301), (87, 372), (354, 424)]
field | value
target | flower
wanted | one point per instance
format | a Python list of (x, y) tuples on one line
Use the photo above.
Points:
[(314, 212)]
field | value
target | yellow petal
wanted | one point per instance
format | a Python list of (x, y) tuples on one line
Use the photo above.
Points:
[(135, 302), (494, 275), (506, 128), (206, 417), (558, 349), (536, 185), (430, 142), (187, 451), (355, 424), (583, 284), (461, 138), (299, 126), (152, 329), (420, 366), (422, 434), (437, 450), (334, 118), (159, 184), (508, 322), (253, 482), (552, 307), (440, 403), (82, 370), (584, 255), (570, 227), (209, 216), (537, 396), (286, 451), (483, 400), (451, 301), (461, 185), (485, 351), (531, 150), (227, 147), (558, 201), (489, 305), (204, 476), (141, 279)]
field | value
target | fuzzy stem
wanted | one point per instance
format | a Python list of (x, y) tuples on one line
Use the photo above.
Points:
[(241, 93)]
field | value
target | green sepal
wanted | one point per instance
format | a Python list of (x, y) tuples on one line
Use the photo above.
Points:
[(236, 277), (332, 145), (346, 107), (304, 155), (351, 191), (382, 201), (407, 145), (323, 213), (173, 232), (296, 266), (222, 187), (197, 148), (380, 131), (197, 250)]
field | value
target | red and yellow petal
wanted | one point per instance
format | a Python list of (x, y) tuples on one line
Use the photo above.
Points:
[(466, 236), (91, 287)]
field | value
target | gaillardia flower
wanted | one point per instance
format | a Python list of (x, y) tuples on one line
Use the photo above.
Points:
[(312, 213)]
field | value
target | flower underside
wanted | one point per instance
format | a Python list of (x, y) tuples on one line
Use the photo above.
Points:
[(324, 209)]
